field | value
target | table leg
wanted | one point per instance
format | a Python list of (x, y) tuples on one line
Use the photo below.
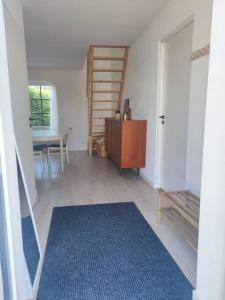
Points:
[(61, 154)]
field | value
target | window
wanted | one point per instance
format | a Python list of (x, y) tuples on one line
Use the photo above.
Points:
[(40, 103)]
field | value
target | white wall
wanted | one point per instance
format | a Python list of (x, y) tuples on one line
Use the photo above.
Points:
[(142, 77), (196, 124), (72, 102), (19, 94), (211, 252)]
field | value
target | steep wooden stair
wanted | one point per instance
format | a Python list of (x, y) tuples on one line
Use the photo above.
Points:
[(106, 70)]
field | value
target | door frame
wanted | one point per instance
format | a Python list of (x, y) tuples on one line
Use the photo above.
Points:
[(21, 287), (160, 95)]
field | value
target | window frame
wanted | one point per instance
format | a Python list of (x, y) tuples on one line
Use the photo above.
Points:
[(41, 113)]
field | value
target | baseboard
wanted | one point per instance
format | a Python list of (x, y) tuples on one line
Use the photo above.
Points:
[(147, 179)]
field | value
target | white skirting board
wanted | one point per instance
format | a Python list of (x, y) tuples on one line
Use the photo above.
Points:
[(147, 179), (195, 296)]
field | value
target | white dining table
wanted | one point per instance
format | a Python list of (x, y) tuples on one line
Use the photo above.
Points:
[(51, 135)]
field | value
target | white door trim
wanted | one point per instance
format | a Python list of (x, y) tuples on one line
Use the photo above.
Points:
[(19, 276)]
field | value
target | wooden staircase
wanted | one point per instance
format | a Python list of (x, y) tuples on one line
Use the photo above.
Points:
[(106, 70)]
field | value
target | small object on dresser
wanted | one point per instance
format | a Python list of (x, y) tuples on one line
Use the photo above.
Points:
[(118, 116), (125, 117), (127, 110), (129, 114), (126, 106)]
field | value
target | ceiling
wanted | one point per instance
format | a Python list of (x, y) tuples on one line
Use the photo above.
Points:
[(58, 32)]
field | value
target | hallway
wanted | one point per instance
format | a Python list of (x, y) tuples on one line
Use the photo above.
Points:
[(97, 181)]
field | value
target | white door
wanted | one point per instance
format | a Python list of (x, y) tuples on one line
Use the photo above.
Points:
[(174, 109)]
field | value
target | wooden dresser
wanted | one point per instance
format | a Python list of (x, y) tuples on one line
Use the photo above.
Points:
[(126, 143)]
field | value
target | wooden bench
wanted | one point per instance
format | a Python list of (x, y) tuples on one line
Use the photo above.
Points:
[(181, 209)]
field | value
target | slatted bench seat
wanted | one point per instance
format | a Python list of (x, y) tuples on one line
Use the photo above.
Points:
[(181, 209)]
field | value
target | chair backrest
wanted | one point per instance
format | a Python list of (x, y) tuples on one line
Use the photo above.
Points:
[(66, 136)]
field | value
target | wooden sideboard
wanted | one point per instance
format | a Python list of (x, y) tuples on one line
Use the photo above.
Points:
[(126, 142)]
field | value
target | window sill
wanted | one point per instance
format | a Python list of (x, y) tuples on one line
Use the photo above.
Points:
[(41, 127)]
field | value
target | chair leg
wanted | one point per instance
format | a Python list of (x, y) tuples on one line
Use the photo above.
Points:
[(42, 162), (67, 157), (48, 153)]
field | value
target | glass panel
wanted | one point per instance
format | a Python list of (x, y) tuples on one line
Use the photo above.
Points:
[(46, 92), (30, 246), (35, 105), (45, 106), (37, 119), (34, 92), (46, 119)]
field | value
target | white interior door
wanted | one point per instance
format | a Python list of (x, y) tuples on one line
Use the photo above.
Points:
[(175, 109)]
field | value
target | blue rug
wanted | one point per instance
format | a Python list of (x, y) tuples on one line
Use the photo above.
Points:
[(108, 252), (30, 247)]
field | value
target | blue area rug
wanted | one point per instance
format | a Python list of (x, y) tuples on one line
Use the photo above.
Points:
[(30, 247), (108, 252)]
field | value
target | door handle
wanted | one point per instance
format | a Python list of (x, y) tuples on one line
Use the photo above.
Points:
[(30, 121), (162, 118)]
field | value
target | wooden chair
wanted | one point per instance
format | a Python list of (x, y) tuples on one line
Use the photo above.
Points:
[(38, 152), (54, 149)]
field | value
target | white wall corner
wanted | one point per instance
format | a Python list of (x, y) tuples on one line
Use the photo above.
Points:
[(195, 296), (147, 179)]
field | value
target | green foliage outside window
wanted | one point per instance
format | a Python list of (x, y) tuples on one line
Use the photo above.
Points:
[(40, 97)]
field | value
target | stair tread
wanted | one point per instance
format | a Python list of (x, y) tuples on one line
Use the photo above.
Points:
[(106, 91), (98, 118), (108, 70), (109, 58), (103, 109), (106, 101), (107, 81), (109, 46)]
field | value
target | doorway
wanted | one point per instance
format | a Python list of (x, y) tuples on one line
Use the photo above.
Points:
[(173, 111)]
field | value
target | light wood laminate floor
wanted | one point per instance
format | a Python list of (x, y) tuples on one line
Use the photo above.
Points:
[(94, 180)]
